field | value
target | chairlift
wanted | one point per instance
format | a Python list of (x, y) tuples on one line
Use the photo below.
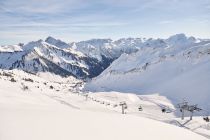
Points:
[(126, 107), (140, 108), (206, 118), (166, 110), (163, 110), (184, 106)]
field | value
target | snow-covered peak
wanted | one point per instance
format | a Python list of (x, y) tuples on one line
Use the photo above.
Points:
[(32, 45), (38, 44), (129, 40), (180, 40), (97, 42), (155, 43), (128, 43), (40, 56), (10, 48), (178, 36), (56, 42), (99, 48), (51, 39)]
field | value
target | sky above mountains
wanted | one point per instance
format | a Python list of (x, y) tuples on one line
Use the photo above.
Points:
[(74, 20)]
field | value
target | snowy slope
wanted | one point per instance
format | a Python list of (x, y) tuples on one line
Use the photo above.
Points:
[(45, 114), (176, 72)]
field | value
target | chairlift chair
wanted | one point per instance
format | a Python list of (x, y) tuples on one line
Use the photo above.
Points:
[(206, 118), (163, 110), (140, 108), (166, 110), (125, 107)]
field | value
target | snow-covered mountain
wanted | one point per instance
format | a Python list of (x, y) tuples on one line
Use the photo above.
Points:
[(85, 59), (40, 56), (106, 48), (100, 48), (178, 67)]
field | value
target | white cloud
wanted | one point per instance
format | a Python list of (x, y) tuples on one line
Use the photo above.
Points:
[(41, 6), (100, 17)]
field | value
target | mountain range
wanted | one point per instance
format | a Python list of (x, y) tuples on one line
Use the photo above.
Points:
[(178, 68), (84, 59)]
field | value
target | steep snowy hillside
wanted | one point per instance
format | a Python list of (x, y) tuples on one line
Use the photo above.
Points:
[(35, 108), (175, 71)]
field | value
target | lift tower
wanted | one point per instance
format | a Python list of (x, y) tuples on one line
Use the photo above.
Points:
[(124, 106), (184, 106)]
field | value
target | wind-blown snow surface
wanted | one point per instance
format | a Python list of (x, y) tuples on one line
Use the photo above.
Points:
[(45, 114), (176, 72)]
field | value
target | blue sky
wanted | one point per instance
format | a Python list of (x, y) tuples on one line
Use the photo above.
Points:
[(74, 20)]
